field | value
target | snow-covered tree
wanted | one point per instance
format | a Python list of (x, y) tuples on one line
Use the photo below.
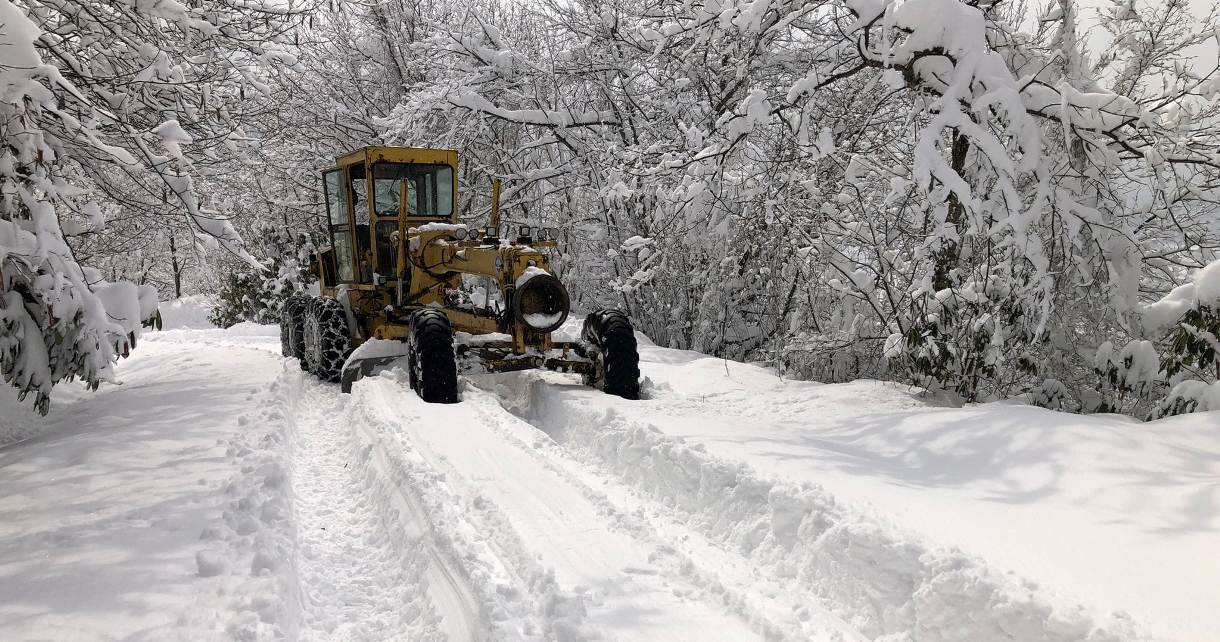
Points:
[(1042, 190), (953, 193), (111, 108), (949, 192)]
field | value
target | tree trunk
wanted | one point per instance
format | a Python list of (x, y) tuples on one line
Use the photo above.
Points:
[(175, 266), (947, 257)]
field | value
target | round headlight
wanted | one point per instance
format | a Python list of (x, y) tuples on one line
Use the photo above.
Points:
[(460, 234)]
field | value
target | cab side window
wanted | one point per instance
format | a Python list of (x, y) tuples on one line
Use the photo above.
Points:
[(337, 201)]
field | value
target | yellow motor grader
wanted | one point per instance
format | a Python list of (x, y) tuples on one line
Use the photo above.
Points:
[(401, 268)]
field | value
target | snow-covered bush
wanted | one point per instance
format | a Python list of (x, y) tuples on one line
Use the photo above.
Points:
[(1128, 377), (258, 294), (1188, 320)]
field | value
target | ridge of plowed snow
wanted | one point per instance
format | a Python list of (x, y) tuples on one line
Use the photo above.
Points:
[(882, 580), (771, 604), (249, 549)]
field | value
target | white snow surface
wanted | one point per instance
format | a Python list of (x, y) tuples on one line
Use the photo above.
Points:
[(187, 312), (529, 273), (542, 320), (374, 348), (1101, 511), (220, 493)]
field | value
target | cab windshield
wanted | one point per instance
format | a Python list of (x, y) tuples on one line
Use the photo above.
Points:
[(429, 189)]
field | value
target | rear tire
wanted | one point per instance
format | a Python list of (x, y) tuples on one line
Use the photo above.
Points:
[(292, 328), (431, 366), (616, 355), (328, 341), (285, 351)]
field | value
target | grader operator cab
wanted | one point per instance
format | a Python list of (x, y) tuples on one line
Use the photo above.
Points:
[(400, 267)]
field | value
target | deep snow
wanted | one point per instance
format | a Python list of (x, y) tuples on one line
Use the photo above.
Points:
[(1106, 511), (220, 493), (103, 511)]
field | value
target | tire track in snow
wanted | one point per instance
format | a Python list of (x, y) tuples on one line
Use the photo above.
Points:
[(520, 598), (618, 582), (768, 603), (365, 568)]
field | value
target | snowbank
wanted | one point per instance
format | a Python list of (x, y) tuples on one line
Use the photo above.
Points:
[(17, 420), (188, 312), (884, 581), (546, 558), (220, 493), (154, 509), (910, 517)]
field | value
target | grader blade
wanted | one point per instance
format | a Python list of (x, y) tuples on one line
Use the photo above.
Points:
[(357, 369)]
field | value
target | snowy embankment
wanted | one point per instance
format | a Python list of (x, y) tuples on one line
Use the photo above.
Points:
[(111, 515), (943, 523), (221, 494)]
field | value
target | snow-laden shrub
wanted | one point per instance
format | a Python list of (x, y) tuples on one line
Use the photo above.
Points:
[(962, 340), (1188, 321), (1190, 396), (258, 294), (1128, 377), (53, 325)]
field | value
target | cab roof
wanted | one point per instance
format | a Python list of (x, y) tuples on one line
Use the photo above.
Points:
[(420, 155)]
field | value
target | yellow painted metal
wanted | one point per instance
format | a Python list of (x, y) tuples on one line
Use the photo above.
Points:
[(374, 154), (423, 156), (392, 331), (394, 154), (494, 219), (433, 262), (464, 321), (400, 240), (351, 223)]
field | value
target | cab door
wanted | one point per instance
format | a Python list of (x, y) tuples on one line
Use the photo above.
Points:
[(338, 208)]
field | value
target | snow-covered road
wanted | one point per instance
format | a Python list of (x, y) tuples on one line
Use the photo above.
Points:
[(101, 514), (222, 494)]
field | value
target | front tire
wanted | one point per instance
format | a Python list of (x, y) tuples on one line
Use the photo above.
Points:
[(431, 366), (328, 340), (616, 355)]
